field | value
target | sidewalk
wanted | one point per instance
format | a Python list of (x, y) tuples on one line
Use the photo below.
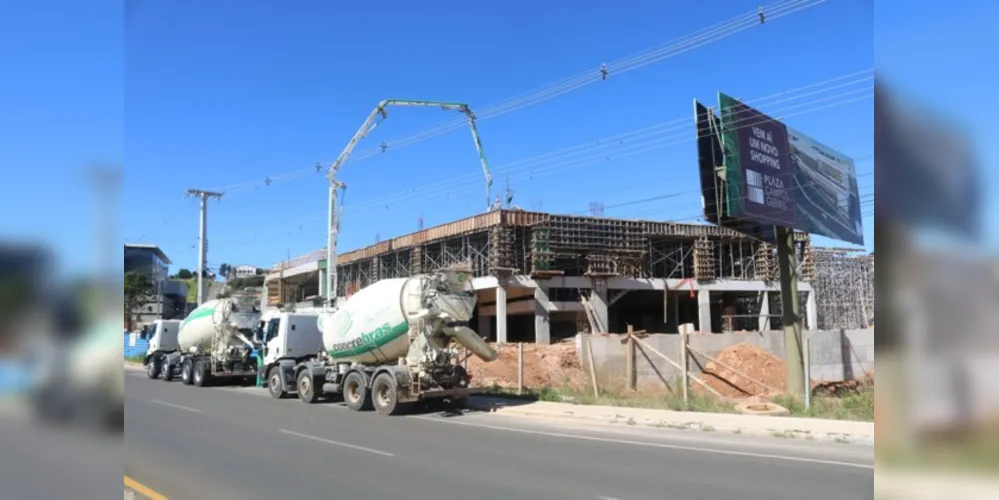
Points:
[(785, 427)]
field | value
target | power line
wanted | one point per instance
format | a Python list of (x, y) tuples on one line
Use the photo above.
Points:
[(555, 161), (646, 146), (680, 45)]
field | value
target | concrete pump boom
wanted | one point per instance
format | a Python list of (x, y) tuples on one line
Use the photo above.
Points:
[(334, 185)]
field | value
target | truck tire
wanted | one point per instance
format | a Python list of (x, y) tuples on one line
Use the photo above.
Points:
[(153, 368), (306, 387), (385, 395), (166, 372), (274, 385), (355, 392), (187, 372), (200, 374)]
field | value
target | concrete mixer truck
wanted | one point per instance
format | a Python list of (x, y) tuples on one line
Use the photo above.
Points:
[(215, 344), (396, 342)]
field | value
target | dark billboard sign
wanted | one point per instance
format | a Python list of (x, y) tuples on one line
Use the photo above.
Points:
[(757, 174)]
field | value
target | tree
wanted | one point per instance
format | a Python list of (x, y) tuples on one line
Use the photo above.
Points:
[(184, 274), (225, 270), (136, 289)]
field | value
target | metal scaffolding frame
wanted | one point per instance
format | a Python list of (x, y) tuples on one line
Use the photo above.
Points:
[(540, 244)]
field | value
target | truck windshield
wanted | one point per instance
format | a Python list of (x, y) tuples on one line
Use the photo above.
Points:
[(272, 329)]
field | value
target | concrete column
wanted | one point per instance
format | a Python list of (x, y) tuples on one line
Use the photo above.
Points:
[(485, 325), (765, 324), (811, 312), (501, 313), (542, 325), (598, 298), (704, 311)]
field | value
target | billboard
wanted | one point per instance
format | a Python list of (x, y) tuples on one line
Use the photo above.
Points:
[(827, 193), (758, 174)]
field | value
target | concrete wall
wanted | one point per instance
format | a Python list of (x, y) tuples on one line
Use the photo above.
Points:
[(835, 355)]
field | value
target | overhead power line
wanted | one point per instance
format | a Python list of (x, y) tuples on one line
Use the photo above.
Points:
[(675, 47), (672, 137)]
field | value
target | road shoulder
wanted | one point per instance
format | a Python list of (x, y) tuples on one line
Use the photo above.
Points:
[(754, 425)]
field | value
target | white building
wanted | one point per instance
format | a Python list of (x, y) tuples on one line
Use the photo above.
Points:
[(244, 271)]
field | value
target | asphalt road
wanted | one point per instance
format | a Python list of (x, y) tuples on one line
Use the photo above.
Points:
[(233, 443)]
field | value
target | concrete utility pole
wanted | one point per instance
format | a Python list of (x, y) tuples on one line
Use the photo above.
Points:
[(790, 311), (203, 196)]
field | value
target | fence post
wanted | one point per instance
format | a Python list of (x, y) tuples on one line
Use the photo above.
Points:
[(685, 361), (806, 348), (520, 368), (630, 375)]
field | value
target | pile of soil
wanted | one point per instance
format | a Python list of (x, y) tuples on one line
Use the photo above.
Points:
[(544, 366), (750, 360)]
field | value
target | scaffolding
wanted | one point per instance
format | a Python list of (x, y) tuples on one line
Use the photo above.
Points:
[(844, 288), (504, 242)]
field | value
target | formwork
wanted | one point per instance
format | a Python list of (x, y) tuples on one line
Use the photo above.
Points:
[(542, 244)]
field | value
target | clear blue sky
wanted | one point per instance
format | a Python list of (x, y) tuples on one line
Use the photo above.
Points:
[(220, 93)]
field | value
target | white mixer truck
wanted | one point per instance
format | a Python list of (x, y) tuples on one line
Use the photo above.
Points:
[(214, 344), (396, 342), (162, 341)]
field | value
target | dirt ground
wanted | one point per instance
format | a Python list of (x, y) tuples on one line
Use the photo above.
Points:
[(544, 366), (559, 366), (750, 360), (767, 368)]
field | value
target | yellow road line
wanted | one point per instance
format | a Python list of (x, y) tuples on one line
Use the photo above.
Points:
[(143, 489)]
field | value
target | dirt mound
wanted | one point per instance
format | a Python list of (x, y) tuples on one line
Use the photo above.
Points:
[(750, 360), (544, 366)]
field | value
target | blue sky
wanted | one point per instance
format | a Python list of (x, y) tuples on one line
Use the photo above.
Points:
[(222, 95)]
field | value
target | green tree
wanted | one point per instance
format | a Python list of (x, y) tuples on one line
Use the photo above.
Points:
[(225, 270), (184, 274), (136, 289)]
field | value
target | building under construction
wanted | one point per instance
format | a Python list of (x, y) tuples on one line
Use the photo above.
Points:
[(544, 276)]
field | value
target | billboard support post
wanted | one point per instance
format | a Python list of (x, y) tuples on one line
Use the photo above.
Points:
[(791, 318)]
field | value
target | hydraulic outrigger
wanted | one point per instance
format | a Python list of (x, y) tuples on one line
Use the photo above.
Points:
[(335, 185)]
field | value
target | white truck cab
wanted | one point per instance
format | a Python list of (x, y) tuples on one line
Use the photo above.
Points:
[(162, 340), (287, 339)]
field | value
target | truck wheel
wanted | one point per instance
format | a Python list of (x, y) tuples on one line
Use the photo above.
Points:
[(307, 392), (200, 374), (153, 368), (385, 395), (186, 375), (355, 392), (274, 384), (166, 372)]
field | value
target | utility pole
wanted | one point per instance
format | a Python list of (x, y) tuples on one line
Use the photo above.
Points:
[(203, 196), (791, 318)]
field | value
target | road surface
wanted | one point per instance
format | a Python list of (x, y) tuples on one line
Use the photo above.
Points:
[(238, 443)]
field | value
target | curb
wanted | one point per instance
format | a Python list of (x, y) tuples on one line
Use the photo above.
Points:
[(776, 427)]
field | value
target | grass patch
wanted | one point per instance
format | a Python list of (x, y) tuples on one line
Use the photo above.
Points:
[(858, 406), (135, 359)]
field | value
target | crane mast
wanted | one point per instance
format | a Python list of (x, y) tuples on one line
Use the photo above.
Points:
[(337, 187)]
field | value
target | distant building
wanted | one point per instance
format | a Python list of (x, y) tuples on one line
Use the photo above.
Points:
[(244, 271), (168, 299)]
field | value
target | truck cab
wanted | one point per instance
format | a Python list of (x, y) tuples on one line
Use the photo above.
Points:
[(162, 341), (286, 339)]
